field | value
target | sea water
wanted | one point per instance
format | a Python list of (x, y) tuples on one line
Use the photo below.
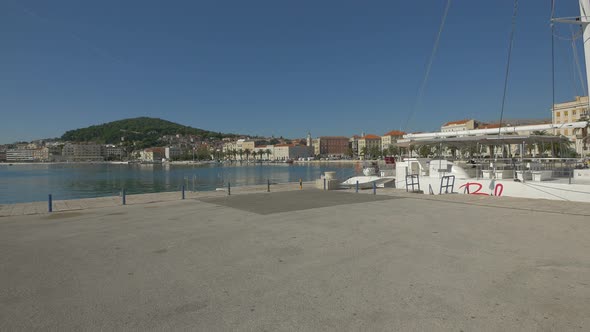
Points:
[(33, 182)]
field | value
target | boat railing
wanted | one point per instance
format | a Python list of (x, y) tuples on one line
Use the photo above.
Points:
[(526, 169)]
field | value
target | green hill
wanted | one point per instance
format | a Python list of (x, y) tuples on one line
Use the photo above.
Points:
[(143, 131)]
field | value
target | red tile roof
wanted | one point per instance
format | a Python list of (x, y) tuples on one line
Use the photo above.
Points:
[(370, 136), (395, 133), (456, 122)]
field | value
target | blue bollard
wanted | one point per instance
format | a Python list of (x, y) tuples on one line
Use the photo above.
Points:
[(357, 186), (324, 183), (268, 185), (50, 203), (228, 189), (123, 197), (183, 191), (374, 188)]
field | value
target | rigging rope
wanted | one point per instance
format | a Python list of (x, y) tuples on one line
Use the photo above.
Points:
[(515, 11), (429, 66)]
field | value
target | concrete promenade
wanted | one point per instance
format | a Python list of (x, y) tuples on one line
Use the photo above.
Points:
[(304, 260), (7, 210)]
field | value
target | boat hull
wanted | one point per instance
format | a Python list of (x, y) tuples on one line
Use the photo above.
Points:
[(365, 182)]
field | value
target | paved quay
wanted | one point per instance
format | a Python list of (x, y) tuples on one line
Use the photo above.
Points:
[(304, 260), (8, 210)]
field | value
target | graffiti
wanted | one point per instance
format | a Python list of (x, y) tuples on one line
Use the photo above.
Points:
[(474, 188)]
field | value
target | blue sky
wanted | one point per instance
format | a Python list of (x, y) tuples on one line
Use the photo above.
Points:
[(268, 67)]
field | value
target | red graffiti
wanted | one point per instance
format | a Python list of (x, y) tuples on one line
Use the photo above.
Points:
[(498, 189)]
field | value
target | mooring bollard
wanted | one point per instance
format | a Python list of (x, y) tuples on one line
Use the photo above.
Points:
[(182, 191), (357, 186), (374, 188), (49, 203), (267, 185), (228, 189), (123, 198), (300, 184), (324, 183)]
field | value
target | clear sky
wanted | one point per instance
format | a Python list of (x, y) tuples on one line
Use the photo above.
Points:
[(274, 67)]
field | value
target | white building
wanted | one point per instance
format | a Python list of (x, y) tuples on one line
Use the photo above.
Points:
[(459, 125), (291, 151), (265, 149), (573, 111), (172, 152), (19, 155)]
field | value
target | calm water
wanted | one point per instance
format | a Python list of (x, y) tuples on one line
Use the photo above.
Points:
[(29, 183)]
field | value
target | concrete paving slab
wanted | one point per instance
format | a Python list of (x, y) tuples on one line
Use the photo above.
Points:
[(286, 201), (400, 264)]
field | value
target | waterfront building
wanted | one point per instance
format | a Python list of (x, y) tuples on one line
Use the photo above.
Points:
[(389, 139), (573, 111), (113, 152), (291, 151), (2, 155), (41, 154), (353, 144), (239, 145), (152, 154), (467, 124), (331, 146), (265, 155), (172, 152), (19, 155), (83, 152), (368, 143)]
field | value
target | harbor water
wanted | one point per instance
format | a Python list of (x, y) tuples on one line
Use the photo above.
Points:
[(33, 182)]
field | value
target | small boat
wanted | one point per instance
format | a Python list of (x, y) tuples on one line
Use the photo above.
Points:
[(371, 175), (366, 182)]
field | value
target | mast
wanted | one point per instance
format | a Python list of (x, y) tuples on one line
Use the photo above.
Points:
[(585, 19)]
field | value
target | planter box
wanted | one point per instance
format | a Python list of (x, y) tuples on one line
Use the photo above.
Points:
[(527, 175), (542, 175)]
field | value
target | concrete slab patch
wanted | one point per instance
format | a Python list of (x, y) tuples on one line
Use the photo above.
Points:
[(287, 201)]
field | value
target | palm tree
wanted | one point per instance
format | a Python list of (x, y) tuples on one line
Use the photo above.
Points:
[(375, 152), (261, 153), (241, 153), (363, 151), (247, 152), (268, 152)]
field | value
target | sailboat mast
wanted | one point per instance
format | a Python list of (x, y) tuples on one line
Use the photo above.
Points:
[(585, 19)]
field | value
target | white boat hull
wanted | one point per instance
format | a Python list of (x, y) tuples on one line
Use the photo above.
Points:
[(365, 182)]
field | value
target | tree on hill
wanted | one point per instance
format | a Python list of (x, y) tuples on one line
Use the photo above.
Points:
[(143, 131)]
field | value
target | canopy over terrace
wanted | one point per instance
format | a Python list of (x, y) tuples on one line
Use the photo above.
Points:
[(483, 140), (492, 145)]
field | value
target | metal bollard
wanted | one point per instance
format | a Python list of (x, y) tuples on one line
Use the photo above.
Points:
[(324, 183), (49, 203), (123, 197), (228, 189), (357, 186), (182, 191), (300, 184), (374, 188), (267, 185)]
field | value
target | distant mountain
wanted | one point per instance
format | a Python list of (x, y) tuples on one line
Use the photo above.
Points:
[(144, 131)]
